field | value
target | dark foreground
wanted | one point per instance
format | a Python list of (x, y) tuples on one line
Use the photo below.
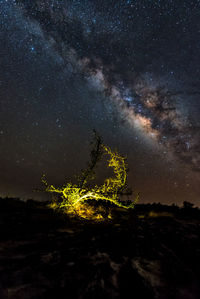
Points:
[(139, 254)]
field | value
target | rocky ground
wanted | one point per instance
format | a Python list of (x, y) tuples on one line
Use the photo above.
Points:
[(150, 252)]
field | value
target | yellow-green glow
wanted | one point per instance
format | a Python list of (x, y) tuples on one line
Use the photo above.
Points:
[(73, 198)]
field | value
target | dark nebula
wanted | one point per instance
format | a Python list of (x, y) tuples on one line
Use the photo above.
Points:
[(129, 69)]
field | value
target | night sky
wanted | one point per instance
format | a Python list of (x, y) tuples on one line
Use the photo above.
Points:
[(130, 69)]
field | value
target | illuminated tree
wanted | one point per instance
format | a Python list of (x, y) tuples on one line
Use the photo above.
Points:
[(77, 199)]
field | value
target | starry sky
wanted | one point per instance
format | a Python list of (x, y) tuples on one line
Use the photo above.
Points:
[(130, 69)]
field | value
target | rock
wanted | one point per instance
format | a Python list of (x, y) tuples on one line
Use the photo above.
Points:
[(45, 255)]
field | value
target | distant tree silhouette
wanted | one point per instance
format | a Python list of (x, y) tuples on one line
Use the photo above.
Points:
[(188, 205)]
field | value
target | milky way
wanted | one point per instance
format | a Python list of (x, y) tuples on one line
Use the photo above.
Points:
[(142, 56), (106, 52)]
